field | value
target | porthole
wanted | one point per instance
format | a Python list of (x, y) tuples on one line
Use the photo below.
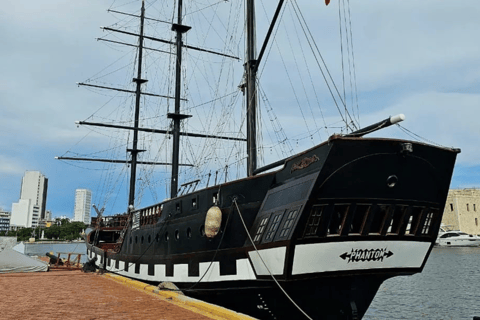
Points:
[(157, 237), (136, 239), (392, 181), (202, 230), (189, 232), (130, 240), (167, 237), (149, 238), (141, 241), (177, 234)]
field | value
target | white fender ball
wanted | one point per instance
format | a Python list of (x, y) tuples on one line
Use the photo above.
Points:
[(213, 221)]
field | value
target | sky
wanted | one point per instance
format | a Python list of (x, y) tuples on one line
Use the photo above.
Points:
[(419, 58)]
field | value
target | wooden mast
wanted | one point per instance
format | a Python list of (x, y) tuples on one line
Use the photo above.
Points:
[(177, 117), (251, 75), (134, 151)]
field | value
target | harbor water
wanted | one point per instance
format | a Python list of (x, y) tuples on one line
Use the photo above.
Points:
[(448, 288)]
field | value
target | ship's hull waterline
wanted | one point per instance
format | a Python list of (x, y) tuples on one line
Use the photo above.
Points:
[(330, 226)]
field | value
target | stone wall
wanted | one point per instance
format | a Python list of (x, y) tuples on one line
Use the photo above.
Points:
[(462, 210)]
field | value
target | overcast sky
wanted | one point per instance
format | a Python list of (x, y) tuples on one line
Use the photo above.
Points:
[(420, 58)]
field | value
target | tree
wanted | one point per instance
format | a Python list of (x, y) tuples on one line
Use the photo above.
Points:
[(66, 230), (24, 234)]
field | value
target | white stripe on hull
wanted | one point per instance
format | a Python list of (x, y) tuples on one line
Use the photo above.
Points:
[(308, 258), (274, 258), (358, 255), (180, 272)]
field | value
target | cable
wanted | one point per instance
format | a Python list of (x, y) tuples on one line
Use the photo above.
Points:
[(254, 246)]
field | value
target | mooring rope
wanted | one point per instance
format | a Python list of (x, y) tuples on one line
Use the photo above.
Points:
[(254, 246)]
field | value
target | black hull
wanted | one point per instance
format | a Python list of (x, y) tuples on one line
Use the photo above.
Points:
[(331, 225), (322, 298)]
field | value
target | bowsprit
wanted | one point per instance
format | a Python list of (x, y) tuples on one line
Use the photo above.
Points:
[(363, 255)]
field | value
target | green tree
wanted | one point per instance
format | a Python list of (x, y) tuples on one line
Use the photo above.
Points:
[(65, 230), (24, 234)]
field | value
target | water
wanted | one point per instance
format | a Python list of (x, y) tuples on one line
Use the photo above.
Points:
[(448, 288), (40, 249)]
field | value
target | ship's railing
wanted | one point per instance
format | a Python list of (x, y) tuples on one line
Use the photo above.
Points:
[(349, 219), (110, 221), (150, 215), (146, 216)]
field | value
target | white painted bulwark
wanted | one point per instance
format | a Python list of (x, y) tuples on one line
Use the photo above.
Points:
[(209, 272), (274, 258), (358, 255)]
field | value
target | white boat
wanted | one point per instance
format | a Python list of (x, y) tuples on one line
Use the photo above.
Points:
[(457, 239)]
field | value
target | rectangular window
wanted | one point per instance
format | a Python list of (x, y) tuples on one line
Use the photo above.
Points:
[(261, 228), (476, 222), (414, 220), (288, 225), (358, 221), (338, 218), (380, 215), (451, 206), (474, 208), (314, 220), (273, 227), (467, 207), (428, 222)]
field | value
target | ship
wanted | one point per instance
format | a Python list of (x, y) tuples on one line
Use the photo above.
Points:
[(312, 235)]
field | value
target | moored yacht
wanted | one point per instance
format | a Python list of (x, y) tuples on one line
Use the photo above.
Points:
[(457, 239)]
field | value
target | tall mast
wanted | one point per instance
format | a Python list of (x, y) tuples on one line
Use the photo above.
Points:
[(134, 151), (177, 117), (251, 75)]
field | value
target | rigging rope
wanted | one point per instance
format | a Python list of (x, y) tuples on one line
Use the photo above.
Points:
[(311, 41), (268, 269), (353, 63)]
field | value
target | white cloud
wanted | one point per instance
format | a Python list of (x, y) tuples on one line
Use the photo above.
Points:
[(11, 165), (419, 58), (449, 119)]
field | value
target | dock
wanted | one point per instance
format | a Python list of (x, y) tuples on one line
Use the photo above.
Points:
[(62, 294)]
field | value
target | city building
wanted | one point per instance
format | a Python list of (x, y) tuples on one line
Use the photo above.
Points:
[(48, 215), (30, 208), (47, 221), (462, 211), (83, 205), (4, 220)]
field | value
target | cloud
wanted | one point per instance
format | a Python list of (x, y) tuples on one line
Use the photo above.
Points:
[(11, 165), (449, 119), (419, 58)]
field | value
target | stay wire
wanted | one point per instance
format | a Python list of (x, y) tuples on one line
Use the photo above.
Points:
[(325, 65), (321, 69), (255, 247), (418, 137), (341, 54), (353, 63), (348, 58)]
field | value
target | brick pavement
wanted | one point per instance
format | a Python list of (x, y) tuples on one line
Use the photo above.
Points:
[(76, 295)]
